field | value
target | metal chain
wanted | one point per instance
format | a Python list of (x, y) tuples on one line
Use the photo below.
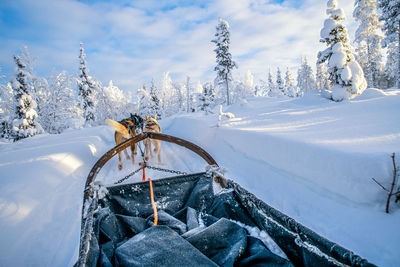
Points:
[(150, 167), (129, 175), (166, 170), (147, 166)]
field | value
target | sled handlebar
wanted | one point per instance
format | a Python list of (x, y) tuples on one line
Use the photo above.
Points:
[(163, 137)]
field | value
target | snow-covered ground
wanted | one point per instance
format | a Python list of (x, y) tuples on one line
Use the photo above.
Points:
[(310, 158)]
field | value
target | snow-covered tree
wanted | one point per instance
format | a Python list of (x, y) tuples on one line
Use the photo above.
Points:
[(6, 109), (279, 82), (86, 89), (345, 73), (391, 26), (25, 122), (249, 83), (368, 39), (179, 99), (109, 102), (38, 85), (239, 91), (223, 57), (115, 102), (271, 87), (206, 99), (171, 96), (188, 89), (144, 102), (305, 77), (60, 111), (166, 93), (291, 89), (391, 67), (155, 103), (322, 78)]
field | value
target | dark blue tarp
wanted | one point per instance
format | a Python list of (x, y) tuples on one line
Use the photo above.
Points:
[(197, 228)]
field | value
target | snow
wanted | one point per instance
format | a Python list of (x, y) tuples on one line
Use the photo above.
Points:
[(329, 25), (311, 158), (359, 82), (338, 59)]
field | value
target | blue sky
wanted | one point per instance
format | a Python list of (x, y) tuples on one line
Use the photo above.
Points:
[(131, 42)]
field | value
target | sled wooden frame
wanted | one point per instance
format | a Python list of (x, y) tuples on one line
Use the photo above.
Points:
[(158, 136)]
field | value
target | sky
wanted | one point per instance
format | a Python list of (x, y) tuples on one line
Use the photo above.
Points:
[(133, 42)]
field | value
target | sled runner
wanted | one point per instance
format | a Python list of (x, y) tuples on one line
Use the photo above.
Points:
[(199, 219)]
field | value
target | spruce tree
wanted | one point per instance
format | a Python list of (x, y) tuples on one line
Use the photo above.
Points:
[(305, 77), (271, 87), (322, 78), (368, 40), (6, 110), (86, 88), (289, 84), (60, 112), (207, 98), (25, 122), (391, 67), (223, 57), (144, 102), (249, 83), (155, 103), (279, 83), (346, 74), (391, 26)]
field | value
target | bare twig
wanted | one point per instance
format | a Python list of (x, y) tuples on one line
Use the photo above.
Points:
[(393, 182), (384, 188)]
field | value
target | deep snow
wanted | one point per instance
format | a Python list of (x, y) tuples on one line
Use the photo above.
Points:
[(310, 158)]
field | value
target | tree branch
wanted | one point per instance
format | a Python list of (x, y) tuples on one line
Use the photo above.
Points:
[(393, 182), (380, 185)]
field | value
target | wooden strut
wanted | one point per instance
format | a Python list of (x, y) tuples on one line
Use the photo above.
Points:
[(162, 137)]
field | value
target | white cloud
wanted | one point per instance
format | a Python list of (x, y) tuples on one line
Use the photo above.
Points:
[(131, 43)]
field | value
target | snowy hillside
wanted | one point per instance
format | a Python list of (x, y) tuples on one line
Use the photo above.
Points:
[(311, 158)]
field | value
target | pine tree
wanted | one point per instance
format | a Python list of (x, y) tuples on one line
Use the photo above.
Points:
[(178, 97), (188, 89), (38, 85), (145, 105), (6, 106), (305, 77), (239, 91), (391, 18), (86, 89), (117, 102), (346, 74), (390, 69), (279, 83), (59, 113), (223, 57), (249, 83), (155, 104), (206, 99), (368, 40), (289, 84), (322, 77), (25, 122), (271, 88), (168, 95)]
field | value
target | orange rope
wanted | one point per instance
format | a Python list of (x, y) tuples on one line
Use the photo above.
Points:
[(152, 203), (144, 174)]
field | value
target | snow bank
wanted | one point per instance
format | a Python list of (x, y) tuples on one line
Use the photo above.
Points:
[(310, 158), (41, 190)]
